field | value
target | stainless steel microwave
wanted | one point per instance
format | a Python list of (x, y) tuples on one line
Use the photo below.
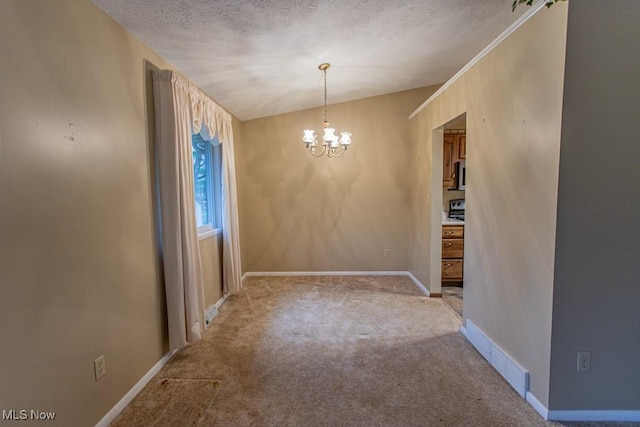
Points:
[(462, 174)]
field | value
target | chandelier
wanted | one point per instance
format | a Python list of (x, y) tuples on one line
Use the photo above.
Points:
[(331, 144)]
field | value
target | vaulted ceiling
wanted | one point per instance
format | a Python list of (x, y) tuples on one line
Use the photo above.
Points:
[(260, 57)]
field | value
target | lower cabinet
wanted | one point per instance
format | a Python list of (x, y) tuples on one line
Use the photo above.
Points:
[(452, 253), (451, 270)]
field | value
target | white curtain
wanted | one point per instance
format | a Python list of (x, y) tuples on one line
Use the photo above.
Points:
[(181, 110)]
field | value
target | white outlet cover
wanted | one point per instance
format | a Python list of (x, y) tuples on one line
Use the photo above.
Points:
[(584, 361), (100, 367)]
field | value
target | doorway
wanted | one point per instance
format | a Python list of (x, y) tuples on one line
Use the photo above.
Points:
[(454, 140)]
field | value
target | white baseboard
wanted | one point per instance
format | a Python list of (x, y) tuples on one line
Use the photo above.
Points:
[(220, 301), (597, 415), (339, 273), (515, 374), (113, 413), (419, 284), (537, 405), (324, 273), (210, 313), (582, 415), (463, 331)]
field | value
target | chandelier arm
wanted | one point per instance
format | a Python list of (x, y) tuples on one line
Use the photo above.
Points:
[(312, 150), (336, 152)]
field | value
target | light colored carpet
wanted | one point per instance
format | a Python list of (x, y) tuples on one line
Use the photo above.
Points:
[(330, 351)]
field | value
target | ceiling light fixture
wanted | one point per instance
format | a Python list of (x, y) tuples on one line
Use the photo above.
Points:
[(333, 146)]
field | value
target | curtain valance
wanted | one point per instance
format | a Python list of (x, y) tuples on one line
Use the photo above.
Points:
[(207, 117)]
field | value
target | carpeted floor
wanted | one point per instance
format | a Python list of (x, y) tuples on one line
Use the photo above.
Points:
[(330, 351)]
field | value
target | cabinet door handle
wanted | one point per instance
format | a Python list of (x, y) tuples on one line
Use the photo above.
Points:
[(448, 265), (448, 233), (448, 245)]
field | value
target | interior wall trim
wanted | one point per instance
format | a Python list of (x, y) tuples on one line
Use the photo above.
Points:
[(221, 301), (519, 22), (127, 398), (537, 405), (583, 415), (419, 284), (209, 313), (213, 310), (595, 415), (413, 278), (503, 362)]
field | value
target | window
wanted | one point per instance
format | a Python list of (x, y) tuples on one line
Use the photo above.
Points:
[(207, 175)]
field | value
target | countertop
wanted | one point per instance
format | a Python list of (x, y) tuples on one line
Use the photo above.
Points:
[(451, 221)]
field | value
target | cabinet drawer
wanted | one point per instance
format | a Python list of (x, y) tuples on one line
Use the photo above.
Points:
[(452, 231), (451, 269), (452, 248)]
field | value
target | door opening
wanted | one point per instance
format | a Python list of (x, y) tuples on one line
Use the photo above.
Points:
[(453, 212)]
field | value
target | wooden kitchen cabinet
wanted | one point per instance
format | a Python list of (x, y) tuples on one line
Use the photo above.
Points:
[(462, 147), (453, 150), (452, 270), (452, 253), (452, 248), (449, 154)]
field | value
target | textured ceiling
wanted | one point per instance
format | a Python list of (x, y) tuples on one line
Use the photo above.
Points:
[(259, 57)]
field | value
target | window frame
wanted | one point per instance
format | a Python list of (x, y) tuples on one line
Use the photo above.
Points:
[(213, 177)]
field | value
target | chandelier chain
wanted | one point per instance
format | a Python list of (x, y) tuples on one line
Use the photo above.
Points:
[(325, 95)]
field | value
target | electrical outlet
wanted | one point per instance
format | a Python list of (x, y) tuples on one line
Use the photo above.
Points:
[(386, 253), (584, 361), (100, 367)]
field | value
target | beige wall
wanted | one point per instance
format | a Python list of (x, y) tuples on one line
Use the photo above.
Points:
[(301, 213), (513, 101), (596, 299), (79, 268), (211, 257)]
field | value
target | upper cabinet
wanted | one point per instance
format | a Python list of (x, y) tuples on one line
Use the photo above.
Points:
[(448, 166), (454, 150), (462, 147)]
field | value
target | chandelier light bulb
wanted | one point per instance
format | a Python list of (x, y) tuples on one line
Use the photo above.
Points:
[(345, 138), (309, 137), (330, 137)]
